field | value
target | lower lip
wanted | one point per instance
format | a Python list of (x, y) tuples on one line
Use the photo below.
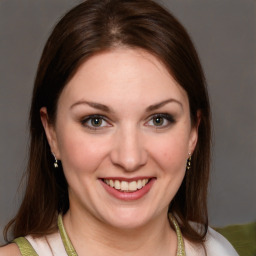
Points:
[(129, 196)]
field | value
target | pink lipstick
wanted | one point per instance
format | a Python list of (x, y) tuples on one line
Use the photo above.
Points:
[(127, 189)]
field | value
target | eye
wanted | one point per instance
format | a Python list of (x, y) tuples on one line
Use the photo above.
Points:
[(95, 122), (160, 120)]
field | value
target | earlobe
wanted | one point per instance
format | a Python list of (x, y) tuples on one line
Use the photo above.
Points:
[(50, 132)]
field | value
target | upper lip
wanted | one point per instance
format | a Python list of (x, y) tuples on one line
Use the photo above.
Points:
[(127, 179)]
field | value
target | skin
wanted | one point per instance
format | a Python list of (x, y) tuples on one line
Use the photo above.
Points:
[(10, 250), (129, 143)]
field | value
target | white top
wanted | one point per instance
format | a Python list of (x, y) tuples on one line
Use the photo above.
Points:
[(48, 245), (215, 244)]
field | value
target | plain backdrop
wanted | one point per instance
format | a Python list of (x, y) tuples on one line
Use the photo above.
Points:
[(224, 33)]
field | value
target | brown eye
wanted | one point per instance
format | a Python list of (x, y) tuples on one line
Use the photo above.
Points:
[(158, 121), (161, 120), (96, 122)]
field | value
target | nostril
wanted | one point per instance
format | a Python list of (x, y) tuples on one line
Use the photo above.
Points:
[(128, 151)]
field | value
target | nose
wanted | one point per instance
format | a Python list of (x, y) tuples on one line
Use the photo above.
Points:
[(128, 151)]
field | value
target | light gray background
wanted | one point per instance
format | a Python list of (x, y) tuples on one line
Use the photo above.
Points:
[(224, 33)]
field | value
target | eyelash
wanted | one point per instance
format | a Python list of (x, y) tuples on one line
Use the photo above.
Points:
[(90, 118), (167, 118)]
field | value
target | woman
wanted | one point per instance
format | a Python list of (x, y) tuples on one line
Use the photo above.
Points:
[(120, 139)]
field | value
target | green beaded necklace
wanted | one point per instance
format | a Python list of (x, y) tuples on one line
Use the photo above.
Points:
[(70, 250)]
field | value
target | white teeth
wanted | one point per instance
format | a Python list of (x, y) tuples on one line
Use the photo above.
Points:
[(139, 184), (111, 183), (117, 184), (125, 185), (132, 186)]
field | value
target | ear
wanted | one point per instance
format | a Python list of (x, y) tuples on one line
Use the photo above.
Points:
[(194, 133), (50, 132)]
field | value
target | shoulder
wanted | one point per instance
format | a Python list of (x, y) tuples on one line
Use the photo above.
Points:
[(215, 242), (10, 250), (47, 245)]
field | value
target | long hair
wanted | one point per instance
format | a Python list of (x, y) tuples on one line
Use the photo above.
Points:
[(92, 27)]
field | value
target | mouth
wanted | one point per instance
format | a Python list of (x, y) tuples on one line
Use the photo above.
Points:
[(126, 186), (128, 189)]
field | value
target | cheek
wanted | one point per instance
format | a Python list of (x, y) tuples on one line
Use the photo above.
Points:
[(81, 153), (171, 153)]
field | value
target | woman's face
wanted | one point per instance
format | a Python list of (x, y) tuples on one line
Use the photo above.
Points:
[(123, 134)]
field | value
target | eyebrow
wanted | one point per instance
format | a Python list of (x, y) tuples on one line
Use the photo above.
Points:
[(93, 105), (161, 104), (108, 110)]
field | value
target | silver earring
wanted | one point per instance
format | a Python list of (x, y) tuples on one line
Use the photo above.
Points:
[(56, 161), (189, 162)]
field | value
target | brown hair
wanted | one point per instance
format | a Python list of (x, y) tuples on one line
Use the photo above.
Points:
[(91, 27)]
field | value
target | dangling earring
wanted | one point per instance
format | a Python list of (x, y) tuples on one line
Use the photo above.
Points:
[(189, 162), (56, 161)]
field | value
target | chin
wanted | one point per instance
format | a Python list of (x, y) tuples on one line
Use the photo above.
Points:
[(128, 219)]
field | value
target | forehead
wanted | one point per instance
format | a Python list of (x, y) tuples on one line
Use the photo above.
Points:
[(127, 76)]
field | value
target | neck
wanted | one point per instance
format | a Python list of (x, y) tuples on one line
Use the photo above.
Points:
[(90, 236)]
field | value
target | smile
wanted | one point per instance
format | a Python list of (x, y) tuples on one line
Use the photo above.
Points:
[(125, 186)]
